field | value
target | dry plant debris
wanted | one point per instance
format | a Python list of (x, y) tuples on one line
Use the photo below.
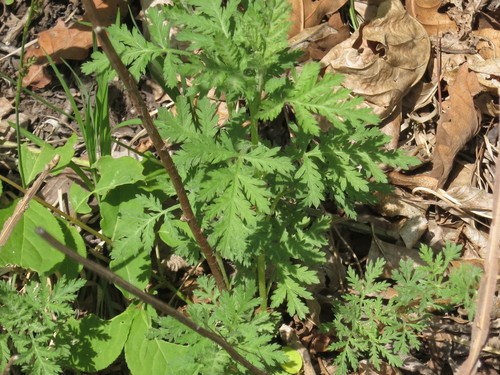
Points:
[(68, 41)]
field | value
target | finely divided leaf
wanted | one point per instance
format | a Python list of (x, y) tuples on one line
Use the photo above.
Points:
[(135, 227), (291, 286), (308, 174)]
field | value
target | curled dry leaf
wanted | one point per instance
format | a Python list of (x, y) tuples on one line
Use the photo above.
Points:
[(489, 42), (317, 40), (71, 42), (412, 229), (458, 123), (478, 238), (427, 12), (470, 199), (487, 72), (392, 254), (464, 14), (60, 42), (5, 107), (308, 13), (385, 57)]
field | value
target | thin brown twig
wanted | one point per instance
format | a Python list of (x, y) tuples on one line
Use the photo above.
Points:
[(23, 204), (160, 147), (10, 363), (487, 288), (149, 299)]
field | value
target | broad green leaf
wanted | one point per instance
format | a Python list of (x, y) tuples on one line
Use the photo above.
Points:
[(168, 232), (73, 240), (294, 363), (78, 198), (96, 343), (34, 163), (117, 172), (151, 356), (25, 248), (110, 206), (135, 269)]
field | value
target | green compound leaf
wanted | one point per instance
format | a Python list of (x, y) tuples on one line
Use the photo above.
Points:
[(117, 172), (151, 356), (135, 226), (294, 363), (96, 343)]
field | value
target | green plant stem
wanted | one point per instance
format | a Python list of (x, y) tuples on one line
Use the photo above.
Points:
[(261, 277), (352, 15), (261, 258), (131, 87), (19, 85), (149, 299)]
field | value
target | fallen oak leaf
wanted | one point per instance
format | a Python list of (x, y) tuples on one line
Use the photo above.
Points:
[(458, 123), (489, 42), (427, 12), (386, 56), (60, 42), (64, 42), (309, 13)]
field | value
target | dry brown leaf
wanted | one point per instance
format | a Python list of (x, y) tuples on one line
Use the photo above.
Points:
[(489, 44), (308, 13), (385, 57), (5, 107), (412, 181), (487, 72), (392, 254), (479, 240), (316, 41), (428, 14), (60, 42), (458, 123), (412, 229), (65, 42), (487, 105), (395, 204), (470, 199)]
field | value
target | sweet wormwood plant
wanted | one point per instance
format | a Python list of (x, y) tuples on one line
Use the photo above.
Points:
[(252, 197), (368, 327), (233, 316), (31, 321)]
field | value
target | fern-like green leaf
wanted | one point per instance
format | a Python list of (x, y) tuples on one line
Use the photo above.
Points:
[(135, 226), (291, 288), (308, 174)]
